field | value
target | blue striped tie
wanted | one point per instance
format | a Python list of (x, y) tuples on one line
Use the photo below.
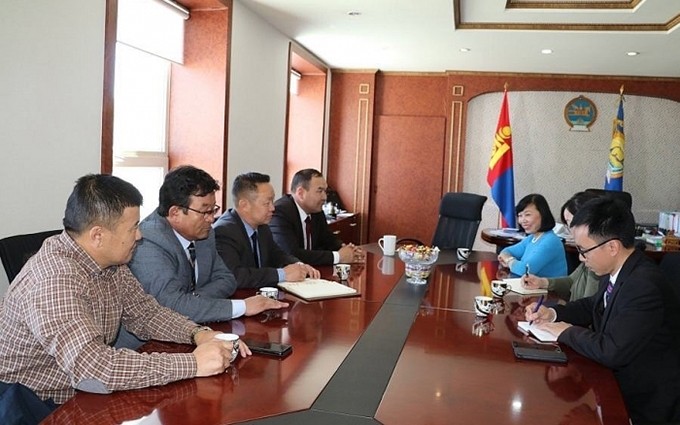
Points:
[(608, 293)]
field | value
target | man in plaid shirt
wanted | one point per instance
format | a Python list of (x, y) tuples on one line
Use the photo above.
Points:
[(65, 307)]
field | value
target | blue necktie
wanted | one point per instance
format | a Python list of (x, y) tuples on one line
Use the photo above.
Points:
[(253, 238), (192, 257)]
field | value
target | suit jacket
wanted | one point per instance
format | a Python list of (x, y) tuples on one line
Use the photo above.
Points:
[(287, 230), (637, 336), (235, 248)]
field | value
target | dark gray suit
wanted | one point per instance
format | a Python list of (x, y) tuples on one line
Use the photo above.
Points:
[(287, 230), (162, 267), (235, 248), (637, 336)]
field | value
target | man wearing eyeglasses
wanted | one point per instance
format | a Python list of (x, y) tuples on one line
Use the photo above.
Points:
[(632, 323), (176, 261)]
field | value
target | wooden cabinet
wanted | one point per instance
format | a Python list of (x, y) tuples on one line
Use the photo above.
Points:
[(346, 228)]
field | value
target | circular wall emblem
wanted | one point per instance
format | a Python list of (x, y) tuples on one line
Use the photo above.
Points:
[(580, 113)]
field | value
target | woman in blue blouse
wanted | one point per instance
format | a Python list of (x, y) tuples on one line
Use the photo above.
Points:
[(541, 252)]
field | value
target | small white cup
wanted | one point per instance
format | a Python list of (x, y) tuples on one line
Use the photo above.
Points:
[(234, 339), (341, 271), (269, 292), (388, 244), (499, 287), (386, 265), (463, 254), (483, 305)]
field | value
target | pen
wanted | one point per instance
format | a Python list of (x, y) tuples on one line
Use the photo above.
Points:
[(538, 305), (526, 271)]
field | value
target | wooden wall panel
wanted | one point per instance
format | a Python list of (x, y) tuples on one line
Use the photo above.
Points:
[(408, 159)]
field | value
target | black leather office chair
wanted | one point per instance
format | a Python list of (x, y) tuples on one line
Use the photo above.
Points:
[(16, 250), (670, 265), (459, 216)]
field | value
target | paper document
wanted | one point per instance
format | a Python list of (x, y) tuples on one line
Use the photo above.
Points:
[(316, 289), (515, 285), (541, 335)]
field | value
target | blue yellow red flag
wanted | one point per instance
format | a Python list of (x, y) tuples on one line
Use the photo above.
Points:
[(486, 271), (614, 176), (500, 174)]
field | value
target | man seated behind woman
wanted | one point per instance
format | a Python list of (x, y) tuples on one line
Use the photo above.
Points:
[(582, 282), (542, 251)]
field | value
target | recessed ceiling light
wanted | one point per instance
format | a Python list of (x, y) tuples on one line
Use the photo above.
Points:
[(354, 13), (632, 53), (464, 49), (546, 51)]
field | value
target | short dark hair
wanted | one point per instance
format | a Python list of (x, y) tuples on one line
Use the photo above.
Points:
[(247, 183), (575, 202), (547, 219), (98, 199), (607, 218), (303, 177), (181, 183)]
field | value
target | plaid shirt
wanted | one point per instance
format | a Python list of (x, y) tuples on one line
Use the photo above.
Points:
[(61, 313)]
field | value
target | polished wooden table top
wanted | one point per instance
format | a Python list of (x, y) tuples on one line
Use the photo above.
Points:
[(398, 353)]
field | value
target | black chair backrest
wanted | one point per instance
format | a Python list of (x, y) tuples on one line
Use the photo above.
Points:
[(624, 197), (459, 216), (670, 265), (16, 250)]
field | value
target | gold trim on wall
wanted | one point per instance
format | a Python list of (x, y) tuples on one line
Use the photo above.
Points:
[(360, 163), (364, 88), (595, 5), (457, 90), (455, 133)]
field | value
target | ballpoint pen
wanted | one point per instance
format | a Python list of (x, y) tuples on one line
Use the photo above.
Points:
[(538, 305)]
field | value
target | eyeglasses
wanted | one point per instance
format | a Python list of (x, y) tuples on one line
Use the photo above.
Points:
[(206, 214), (583, 252)]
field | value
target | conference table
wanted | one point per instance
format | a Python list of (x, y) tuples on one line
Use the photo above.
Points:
[(396, 354)]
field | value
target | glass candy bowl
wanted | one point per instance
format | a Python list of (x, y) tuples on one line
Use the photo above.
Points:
[(418, 260)]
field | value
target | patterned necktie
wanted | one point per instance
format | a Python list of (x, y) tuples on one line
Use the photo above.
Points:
[(308, 231), (253, 238), (608, 293), (192, 257)]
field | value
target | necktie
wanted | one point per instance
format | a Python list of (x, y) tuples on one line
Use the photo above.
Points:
[(192, 257), (308, 231), (608, 293), (253, 238)]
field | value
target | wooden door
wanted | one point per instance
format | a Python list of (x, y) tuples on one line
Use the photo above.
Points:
[(408, 161)]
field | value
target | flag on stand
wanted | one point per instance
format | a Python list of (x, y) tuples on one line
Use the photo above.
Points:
[(614, 177), (500, 176)]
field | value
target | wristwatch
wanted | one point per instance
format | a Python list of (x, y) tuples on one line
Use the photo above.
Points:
[(196, 330)]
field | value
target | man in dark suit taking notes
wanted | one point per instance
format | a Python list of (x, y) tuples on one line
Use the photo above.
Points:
[(300, 227), (632, 323), (245, 242)]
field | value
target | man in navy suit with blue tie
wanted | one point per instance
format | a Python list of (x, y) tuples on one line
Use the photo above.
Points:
[(632, 323)]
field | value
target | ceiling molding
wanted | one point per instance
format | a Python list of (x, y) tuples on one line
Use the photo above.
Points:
[(593, 5)]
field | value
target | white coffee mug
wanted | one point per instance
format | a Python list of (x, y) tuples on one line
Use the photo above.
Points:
[(499, 287), (483, 305), (388, 244), (234, 339), (463, 254), (269, 292), (341, 271), (386, 265)]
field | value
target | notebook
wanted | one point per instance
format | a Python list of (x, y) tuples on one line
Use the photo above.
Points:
[(318, 289), (515, 285), (541, 335)]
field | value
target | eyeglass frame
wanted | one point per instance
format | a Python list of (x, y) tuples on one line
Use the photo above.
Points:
[(583, 252), (205, 214)]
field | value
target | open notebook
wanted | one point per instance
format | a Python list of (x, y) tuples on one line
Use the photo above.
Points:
[(318, 289), (515, 285), (541, 335)]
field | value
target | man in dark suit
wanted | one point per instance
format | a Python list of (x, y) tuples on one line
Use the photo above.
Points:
[(300, 228), (196, 284), (245, 242), (632, 323)]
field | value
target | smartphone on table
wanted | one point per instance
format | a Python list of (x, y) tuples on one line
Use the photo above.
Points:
[(276, 349)]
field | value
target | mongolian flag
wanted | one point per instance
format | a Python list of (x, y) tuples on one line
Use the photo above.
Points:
[(500, 176), (486, 271), (614, 177)]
